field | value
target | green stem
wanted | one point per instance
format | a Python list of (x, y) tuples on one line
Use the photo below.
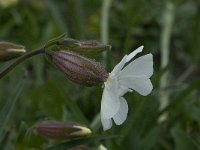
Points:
[(19, 60), (165, 42), (105, 24), (104, 20), (168, 17), (95, 125)]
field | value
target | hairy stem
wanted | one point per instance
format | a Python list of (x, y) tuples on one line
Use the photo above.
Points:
[(8, 68)]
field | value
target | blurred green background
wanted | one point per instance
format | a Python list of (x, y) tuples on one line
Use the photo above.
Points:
[(36, 91)]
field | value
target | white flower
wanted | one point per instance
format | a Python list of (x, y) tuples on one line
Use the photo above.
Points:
[(134, 76)]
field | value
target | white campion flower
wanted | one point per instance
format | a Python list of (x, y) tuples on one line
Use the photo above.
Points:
[(135, 76)]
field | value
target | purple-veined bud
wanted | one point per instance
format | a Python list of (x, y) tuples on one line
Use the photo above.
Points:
[(9, 51), (77, 68), (61, 130), (88, 47)]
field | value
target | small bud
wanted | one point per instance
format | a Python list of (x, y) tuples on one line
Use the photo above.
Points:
[(8, 3), (88, 48), (61, 130), (54, 41), (68, 43), (101, 147), (10, 51), (78, 69)]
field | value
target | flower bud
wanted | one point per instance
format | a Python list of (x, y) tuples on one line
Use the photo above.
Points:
[(68, 43), (101, 147), (61, 130), (78, 69), (8, 3), (88, 48), (10, 51)]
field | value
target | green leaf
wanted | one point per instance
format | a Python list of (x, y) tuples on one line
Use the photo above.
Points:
[(56, 15), (183, 140), (70, 144), (6, 111), (183, 95), (150, 139), (4, 140)]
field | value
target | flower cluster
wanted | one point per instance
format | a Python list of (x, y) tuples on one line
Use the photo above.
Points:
[(126, 76)]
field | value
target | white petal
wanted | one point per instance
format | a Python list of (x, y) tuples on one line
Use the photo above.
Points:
[(121, 115), (119, 66), (141, 85), (140, 67), (131, 55), (126, 59), (122, 90), (107, 123), (110, 100)]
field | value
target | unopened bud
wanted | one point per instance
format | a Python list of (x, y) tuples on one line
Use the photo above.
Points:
[(89, 47), (61, 130), (68, 43), (78, 69), (10, 51), (101, 147), (8, 3)]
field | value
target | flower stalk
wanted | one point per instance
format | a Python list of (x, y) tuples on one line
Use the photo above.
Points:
[(106, 4), (19, 60), (105, 20), (168, 18)]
